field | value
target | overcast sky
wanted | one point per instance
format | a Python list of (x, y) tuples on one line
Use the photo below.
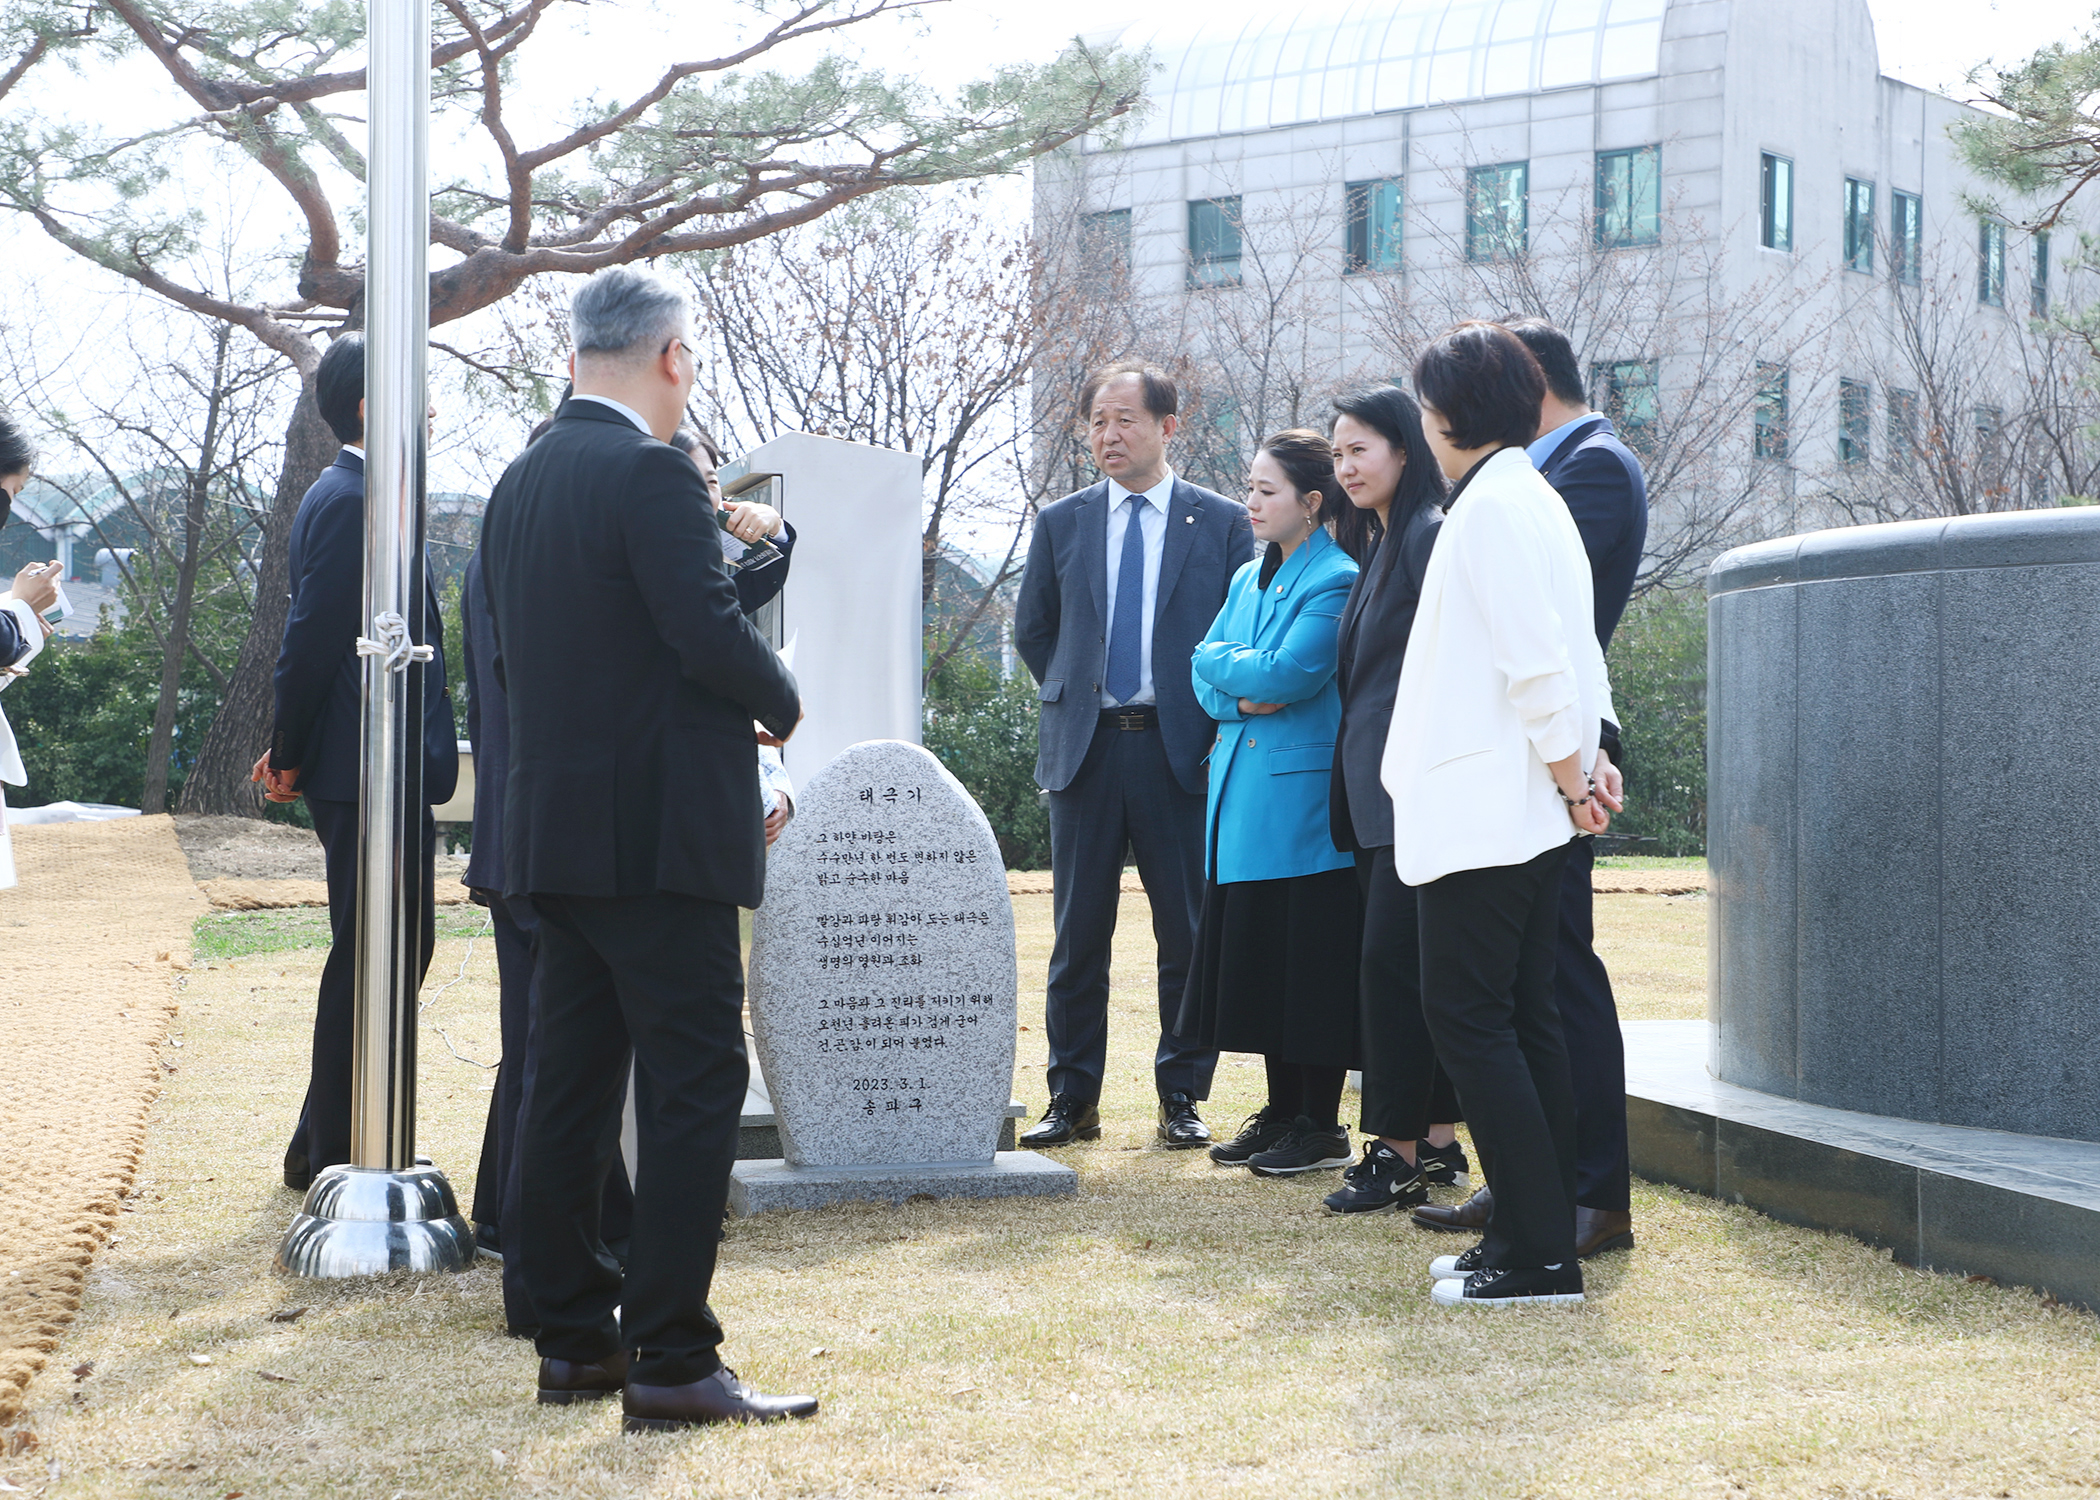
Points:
[(1932, 43), (612, 47)]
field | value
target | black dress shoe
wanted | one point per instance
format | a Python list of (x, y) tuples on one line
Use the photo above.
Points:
[(487, 1242), (721, 1397), (565, 1380), (1065, 1121), (298, 1173), (1600, 1229), (1180, 1127), (1470, 1217)]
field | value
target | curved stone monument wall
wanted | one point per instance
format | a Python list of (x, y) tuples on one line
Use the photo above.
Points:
[(1903, 819)]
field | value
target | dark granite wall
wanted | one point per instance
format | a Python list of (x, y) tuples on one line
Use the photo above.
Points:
[(1904, 819)]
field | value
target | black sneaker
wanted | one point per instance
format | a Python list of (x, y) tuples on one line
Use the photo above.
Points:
[(1379, 1183), (1545, 1286), (1457, 1267), (1261, 1131), (1444, 1166), (1305, 1147)]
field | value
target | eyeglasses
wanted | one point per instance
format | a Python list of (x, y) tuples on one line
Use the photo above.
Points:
[(677, 343)]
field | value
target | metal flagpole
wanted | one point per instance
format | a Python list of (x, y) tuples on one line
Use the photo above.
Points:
[(383, 1212)]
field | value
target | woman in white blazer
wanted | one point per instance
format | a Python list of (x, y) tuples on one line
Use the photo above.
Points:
[(1488, 761), (22, 629)]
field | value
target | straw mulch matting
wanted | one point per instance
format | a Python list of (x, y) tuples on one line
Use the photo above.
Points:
[(90, 943)]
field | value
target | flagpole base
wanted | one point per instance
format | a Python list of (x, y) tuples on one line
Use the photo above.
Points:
[(366, 1221)]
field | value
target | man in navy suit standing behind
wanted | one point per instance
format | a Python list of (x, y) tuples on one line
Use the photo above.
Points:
[(316, 745), (1579, 453), (1123, 580)]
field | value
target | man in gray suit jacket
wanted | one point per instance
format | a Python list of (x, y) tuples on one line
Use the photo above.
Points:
[(1123, 582)]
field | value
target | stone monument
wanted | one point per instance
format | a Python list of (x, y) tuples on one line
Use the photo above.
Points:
[(883, 994), (1902, 788)]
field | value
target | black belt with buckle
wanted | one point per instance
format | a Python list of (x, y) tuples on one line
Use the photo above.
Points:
[(1131, 716)]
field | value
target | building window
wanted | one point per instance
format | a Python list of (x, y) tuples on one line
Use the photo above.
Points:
[(1853, 421), (1374, 210), (1105, 246), (1907, 235), (1859, 225), (1771, 411), (1990, 263), (1629, 196), (1903, 427), (1775, 220), (2038, 280), (1498, 211), (1625, 391), (1214, 242)]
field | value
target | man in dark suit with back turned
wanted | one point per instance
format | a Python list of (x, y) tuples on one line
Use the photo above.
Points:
[(1579, 453), (632, 822), (317, 743), (1122, 583)]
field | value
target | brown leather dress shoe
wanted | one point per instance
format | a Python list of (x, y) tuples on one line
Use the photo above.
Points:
[(1470, 1217), (565, 1380), (1600, 1229), (721, 1397)]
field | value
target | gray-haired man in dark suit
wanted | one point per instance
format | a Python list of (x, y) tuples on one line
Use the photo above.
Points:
[(1123, 581)]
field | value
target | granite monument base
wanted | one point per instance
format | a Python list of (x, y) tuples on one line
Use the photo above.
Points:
[(2021, 1209), (757, 1187)]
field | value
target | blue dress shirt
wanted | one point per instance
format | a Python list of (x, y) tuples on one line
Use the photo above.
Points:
[(1541, 450)]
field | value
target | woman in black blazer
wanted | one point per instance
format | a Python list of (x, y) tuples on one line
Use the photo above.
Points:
[(1392, 481)]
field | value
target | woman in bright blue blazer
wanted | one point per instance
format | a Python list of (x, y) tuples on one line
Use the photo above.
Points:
[(1275, 967)]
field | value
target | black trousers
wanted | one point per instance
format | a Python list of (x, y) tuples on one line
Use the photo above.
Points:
[(1589, 1018), (514, 929), (1125, 797), (322, 1137), (1405, 1089), (1487, 991), (659, 975)]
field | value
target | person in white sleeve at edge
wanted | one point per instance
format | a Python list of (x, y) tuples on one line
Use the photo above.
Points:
[(1489, 760), (22, 627)]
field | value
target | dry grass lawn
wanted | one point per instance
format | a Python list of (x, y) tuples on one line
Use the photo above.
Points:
[(1176, 1330)]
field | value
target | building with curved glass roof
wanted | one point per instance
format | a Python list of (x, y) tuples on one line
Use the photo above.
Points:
[(1331, 61), (1758, 243)]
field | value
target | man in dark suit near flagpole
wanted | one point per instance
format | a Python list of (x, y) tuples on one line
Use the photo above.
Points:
[(1122, 583), (317, 743), (1579, 453), (632, 823)]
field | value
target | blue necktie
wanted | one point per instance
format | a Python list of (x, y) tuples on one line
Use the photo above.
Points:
[(1126, 637)]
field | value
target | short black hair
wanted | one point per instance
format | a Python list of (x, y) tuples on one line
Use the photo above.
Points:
[(339, 384), (1484, 385), (1162, 398), (1556, 357), (16, 454), (689, 439)]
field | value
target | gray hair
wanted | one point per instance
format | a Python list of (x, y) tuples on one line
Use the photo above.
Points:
[(623, 309)]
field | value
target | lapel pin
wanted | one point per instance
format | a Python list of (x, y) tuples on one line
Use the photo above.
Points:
[(1189, 520)]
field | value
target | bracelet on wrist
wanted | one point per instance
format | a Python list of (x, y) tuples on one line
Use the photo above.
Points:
[(1588, 794)]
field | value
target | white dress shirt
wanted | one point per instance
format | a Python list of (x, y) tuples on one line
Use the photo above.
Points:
[(775, 787), (1152, 524), (619, 406)]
